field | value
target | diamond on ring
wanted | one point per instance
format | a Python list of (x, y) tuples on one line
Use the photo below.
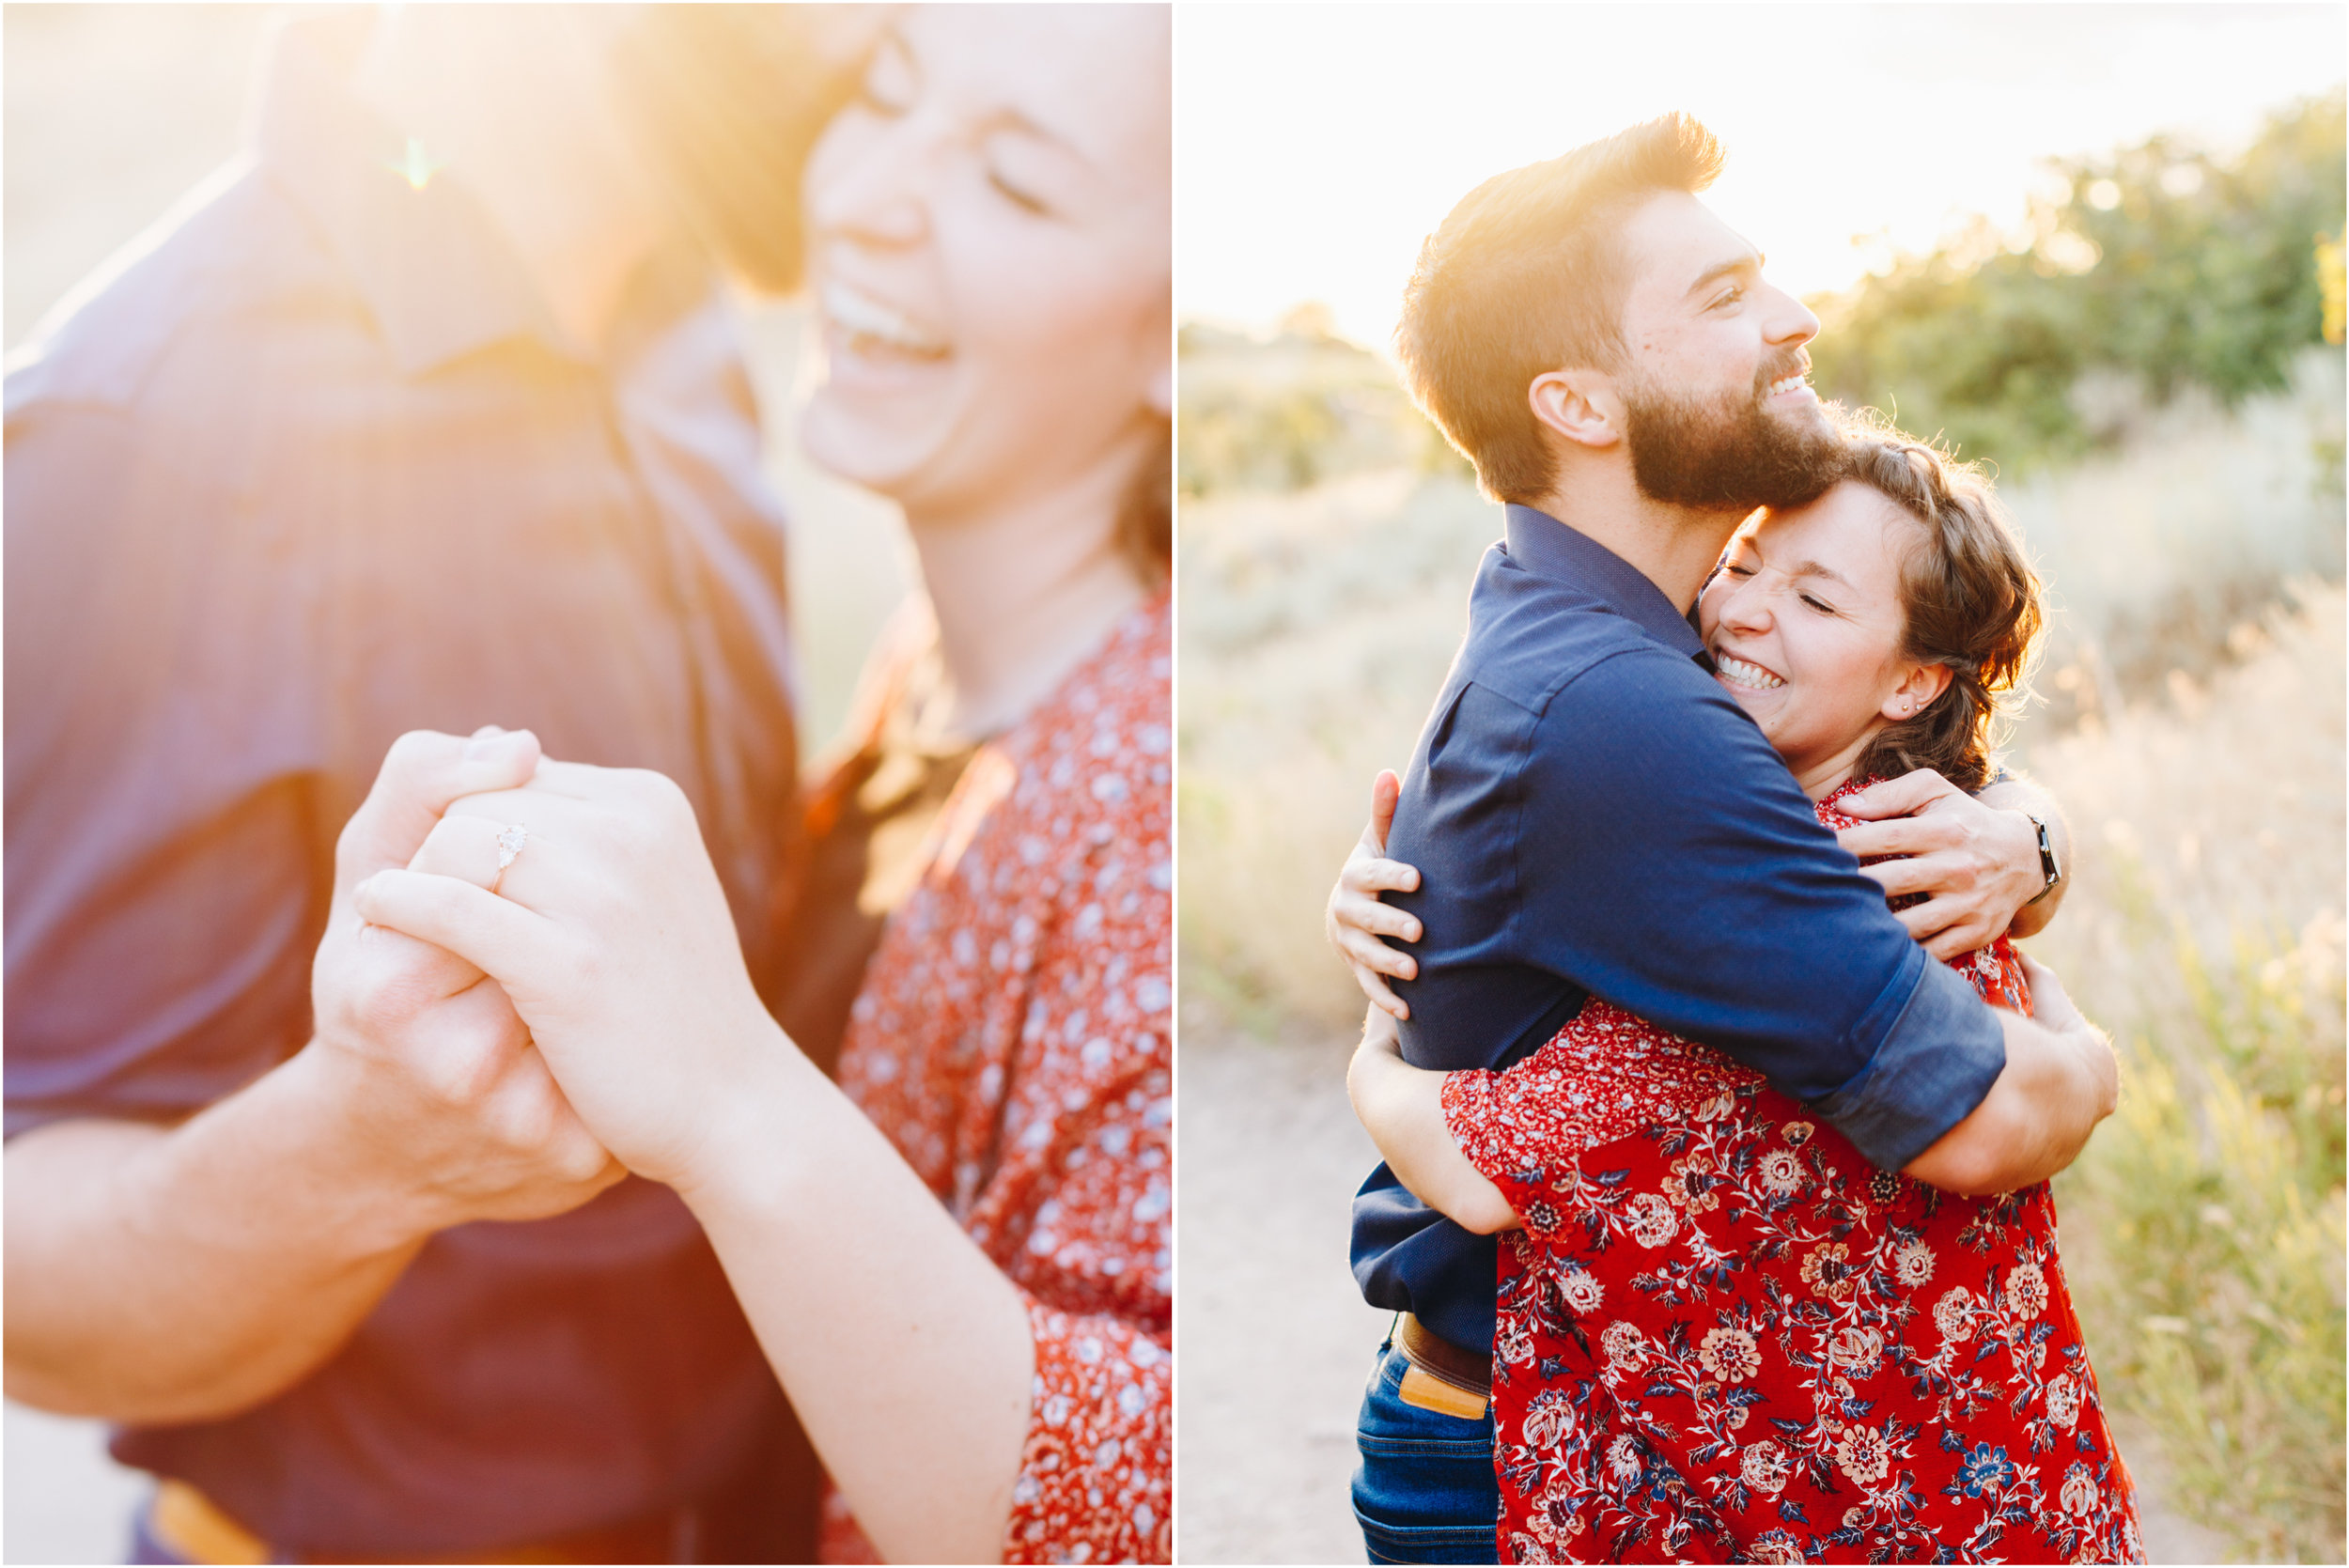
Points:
[(510, 842)]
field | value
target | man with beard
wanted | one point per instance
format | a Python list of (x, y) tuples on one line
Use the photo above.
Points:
[(1591, 813)]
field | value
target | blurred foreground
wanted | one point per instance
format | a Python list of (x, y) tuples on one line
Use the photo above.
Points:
[(111, 112)]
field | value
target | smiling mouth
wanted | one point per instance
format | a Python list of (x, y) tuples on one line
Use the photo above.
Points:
[(1797, 377), (875, 329), (1739, 672)]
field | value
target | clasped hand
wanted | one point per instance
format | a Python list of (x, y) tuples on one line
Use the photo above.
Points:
[(419, 1063), (611, 938)]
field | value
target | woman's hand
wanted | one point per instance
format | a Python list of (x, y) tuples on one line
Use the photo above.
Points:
[(905, 1349), (1976, 864), (1355, 918), (610, 934), (2061, 1078), (2050, 1003)]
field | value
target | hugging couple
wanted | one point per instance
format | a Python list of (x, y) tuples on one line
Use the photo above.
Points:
[(605, 1158), (1718, 1107)]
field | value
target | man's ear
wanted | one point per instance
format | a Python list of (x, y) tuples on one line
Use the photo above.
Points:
[(1581, 404)]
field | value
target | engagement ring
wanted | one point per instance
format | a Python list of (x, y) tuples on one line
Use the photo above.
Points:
[(510, 841)]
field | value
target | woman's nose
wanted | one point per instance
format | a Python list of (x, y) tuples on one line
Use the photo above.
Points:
[(877, 196), (1743, 607)]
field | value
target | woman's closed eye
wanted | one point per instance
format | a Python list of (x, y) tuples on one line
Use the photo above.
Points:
[(1018, 196), (1029, 168)]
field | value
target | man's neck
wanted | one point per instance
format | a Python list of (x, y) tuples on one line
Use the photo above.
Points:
[(511, 100), (1673, 547), (1023, 587)]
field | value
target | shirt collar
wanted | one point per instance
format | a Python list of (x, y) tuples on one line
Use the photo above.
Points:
[(429, 262), (1547, 548)]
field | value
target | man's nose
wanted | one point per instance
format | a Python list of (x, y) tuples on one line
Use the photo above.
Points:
[(1789, 323)]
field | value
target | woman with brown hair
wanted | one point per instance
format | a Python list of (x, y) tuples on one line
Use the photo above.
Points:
[(958, 1257), (1722, 1334)]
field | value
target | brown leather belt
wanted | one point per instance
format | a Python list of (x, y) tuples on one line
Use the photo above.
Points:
[(1443, 1377), (195, 1528)]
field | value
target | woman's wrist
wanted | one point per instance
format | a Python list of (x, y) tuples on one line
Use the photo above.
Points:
[(757, 1140)]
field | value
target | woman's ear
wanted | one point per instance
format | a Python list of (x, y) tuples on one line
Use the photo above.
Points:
[(1915, 692), (1579, 404)]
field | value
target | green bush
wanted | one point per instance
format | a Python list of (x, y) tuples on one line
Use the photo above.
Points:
[(2159, 266)]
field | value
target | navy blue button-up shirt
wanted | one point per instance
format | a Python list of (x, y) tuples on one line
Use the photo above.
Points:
[(1591, 815), (311, 466)]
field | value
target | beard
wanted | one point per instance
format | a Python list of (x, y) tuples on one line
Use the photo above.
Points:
[(1730, 455)]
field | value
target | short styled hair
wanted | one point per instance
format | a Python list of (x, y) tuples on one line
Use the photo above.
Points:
[(1526, 275), (1970, 601), (728, 100)]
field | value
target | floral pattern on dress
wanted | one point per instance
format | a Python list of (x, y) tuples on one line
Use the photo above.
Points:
[(1725, 1336), (1013, 1039)]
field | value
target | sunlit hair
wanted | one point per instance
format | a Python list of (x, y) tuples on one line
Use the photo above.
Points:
[(1145, 521), (727, 102), (1526, 275), (1970, 601)]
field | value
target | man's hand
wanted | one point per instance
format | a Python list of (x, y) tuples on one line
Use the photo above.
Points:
[(1355, 918), (1977, 865), (432, 1072), (168, 1274)]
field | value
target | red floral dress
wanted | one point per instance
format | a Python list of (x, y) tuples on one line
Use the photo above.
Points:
[(1013, 1038), (1725, 1336)]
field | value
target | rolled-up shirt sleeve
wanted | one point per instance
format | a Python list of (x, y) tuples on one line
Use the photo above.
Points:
[(1712, 904)]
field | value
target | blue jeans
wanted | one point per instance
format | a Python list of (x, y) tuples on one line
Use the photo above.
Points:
[(1424, 1491)]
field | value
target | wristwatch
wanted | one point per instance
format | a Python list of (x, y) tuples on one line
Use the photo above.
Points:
[(2048, 866)]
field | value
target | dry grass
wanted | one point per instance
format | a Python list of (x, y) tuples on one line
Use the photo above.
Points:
[(2204, 1228), (1315, 629)]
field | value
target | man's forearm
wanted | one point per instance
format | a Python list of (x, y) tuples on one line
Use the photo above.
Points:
[(180, 1274), (2014, 794), (2055, 1086)]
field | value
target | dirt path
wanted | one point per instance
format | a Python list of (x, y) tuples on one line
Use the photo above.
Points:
[(1274, 1342), (67, 1502)]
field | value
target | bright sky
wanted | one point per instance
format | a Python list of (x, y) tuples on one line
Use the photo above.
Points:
[(1319, 143)]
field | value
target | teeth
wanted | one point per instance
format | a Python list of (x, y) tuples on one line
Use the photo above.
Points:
[(863, 316), (1738, 673), (1789, 383)]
